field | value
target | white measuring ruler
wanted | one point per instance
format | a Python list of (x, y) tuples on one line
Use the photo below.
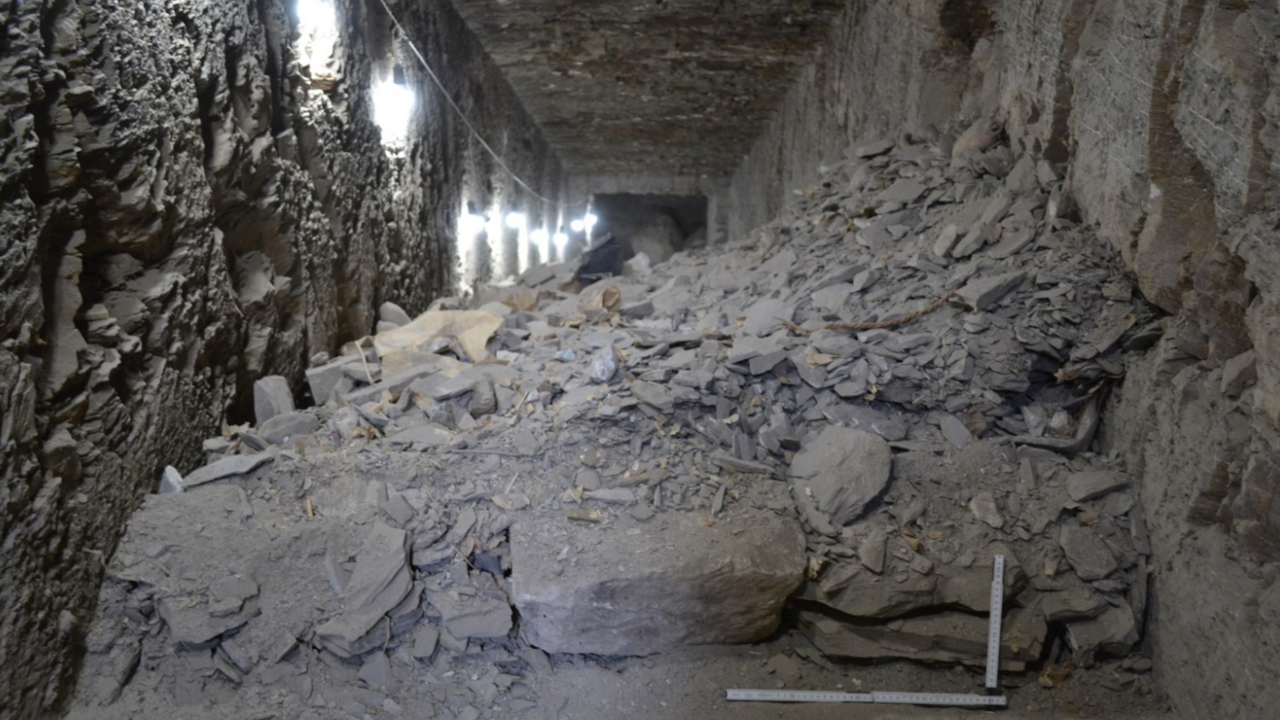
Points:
[(912, 698), (796, 696), (993, 625), (882, 698)]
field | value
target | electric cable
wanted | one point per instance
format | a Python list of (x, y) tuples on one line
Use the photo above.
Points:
[(462, 116)]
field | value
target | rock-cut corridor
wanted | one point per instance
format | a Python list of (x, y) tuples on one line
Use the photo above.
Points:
[(478, 360)]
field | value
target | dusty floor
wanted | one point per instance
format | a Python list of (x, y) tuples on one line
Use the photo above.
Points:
[(257, 527)]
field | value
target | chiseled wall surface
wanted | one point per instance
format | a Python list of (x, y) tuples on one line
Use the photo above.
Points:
[(1166, 119), (192, 195)]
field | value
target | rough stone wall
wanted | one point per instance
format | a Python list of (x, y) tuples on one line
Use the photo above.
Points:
[(187, 203), (460, 171), (1189, 196), (1166, 117), (886, 66)]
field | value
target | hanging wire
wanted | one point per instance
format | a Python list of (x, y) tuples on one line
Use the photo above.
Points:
[(462, 116)]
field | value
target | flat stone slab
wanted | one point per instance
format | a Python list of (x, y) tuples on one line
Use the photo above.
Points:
[(1085, 486), (950, 637), (1088, 554), (287, 425), (981, 293), (845, 469), (271, 397), (624, 588), (226, 467)]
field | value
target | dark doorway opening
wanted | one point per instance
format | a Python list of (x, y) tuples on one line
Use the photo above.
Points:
[(657, 225)]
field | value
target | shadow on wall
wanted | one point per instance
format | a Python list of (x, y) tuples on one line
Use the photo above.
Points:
[(657, 225)]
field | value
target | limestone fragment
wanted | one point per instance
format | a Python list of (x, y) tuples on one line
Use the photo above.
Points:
[(605, 365), (946, 240), (324, 379), (375, 671), (1239, 372), (902, 191), (425, 640), (653, 395), (872, 148), (1088, 554), (984, 508), (954, 430), (171, 481), (225, 468), (982, 293), (613, 496), (1113, 632), (1073, 604), (382, 580), (390, 312), (271, 397), (426, 436), (844, 469), (1089, 485), (872, 550), (979, 136), (288, 425), (762, 318), (939, 637), (471, 328), (482, 612), (639, 598)]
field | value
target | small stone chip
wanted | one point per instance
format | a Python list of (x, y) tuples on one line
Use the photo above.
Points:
[(425, 640), (398, 509), (376, 670)]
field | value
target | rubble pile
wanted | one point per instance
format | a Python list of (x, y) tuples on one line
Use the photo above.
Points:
[(837, 421)]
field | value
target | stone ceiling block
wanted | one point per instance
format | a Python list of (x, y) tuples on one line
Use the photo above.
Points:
[(674, 88)]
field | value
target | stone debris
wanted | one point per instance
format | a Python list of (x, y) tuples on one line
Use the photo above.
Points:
[(393, 314), (1085, 486), (1239, 372), (467, 329), (470, 604), (843, 470), (985, 510), (848, 412), (281, 428), (636, 599), (227, 467), (271, 397), (948, 637), (1088, 554), (380, 582), (171, 481)]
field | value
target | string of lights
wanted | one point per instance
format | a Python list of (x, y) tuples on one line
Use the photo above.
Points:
[(393, 105), (435, 79)]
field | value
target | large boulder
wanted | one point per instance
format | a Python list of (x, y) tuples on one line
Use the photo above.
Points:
[(659, 239), (642, 588)]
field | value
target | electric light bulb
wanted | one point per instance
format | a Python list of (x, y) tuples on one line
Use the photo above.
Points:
[(470, 225), (540, 238), (392, 110), (317, 17)]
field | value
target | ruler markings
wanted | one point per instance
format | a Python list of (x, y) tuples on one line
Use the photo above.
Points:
[(993, 625), (883, 698)]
